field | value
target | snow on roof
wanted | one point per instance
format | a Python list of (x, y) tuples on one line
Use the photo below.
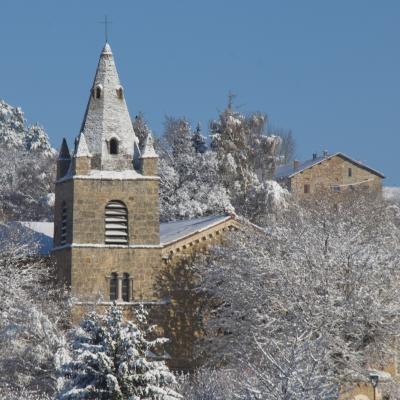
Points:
[(176, 230), (82, 148), (107, 175), (287, 170), (42, 232), (36, 235), (107, 49), (148, 150)]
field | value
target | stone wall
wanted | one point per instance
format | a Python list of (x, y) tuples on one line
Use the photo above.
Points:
[(140, 197), (332, 174), (92, 267)]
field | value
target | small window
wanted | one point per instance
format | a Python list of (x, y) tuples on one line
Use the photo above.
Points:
[(63, 224), (116, 223), (113, 146), (306, 188), (120, 93), (125, 287), (114, 286), (98, 92), (350, 172)]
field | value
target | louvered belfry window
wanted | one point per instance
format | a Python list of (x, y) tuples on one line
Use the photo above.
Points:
[(116, 223), (63, 224)]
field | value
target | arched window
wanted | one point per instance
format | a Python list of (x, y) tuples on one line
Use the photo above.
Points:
[(114, 286), (120, 92), (63, 238), (98, 91), (113, 146), (125, 287), (116, 223)]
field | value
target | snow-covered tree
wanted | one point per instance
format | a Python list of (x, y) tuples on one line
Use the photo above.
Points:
[(16, 134), (246, 158), (115, 359), (141, 128), (287, 146), (32, 311), (322, 274), (27, 167), (190, 184)]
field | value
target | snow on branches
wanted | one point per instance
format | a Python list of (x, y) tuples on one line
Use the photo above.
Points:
[(112, 359), (27, 167), (318, 287)]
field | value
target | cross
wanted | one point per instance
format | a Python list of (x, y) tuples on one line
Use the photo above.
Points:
[(106, 22), (231, 96)]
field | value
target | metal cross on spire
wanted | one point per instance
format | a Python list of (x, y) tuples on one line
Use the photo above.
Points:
[(106, 22)]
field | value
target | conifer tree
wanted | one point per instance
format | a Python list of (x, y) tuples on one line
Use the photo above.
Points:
[(110, 359)]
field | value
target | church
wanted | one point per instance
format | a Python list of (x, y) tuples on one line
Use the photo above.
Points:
[(108, 242)]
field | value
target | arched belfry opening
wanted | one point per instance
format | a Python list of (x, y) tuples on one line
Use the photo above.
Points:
[(97, 91), (113, 146), (116, 223)]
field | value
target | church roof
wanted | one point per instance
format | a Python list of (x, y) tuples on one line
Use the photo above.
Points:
[(177, 230), (170, 232), (107, 115)]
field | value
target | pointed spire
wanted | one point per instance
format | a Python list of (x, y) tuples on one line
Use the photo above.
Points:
[(107, 49), (148, 148), (64, 153), (82, 149), (107, 118)]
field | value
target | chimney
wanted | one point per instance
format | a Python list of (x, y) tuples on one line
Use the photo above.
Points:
[(314, 156), (296, 164)]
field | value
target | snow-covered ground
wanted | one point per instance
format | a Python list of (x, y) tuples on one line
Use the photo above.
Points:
[(391, 192)]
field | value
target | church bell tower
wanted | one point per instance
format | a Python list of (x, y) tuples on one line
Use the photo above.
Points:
[(106, 221)]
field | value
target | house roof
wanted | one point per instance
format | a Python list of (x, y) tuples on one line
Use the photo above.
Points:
[(287, 170), (41, 233)]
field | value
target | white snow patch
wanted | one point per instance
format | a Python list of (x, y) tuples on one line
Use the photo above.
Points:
[(391, 192)]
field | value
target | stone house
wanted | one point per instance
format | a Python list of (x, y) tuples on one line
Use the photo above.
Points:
[(333, 173)]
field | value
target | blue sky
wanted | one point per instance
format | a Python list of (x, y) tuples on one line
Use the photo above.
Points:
[(329, 71)]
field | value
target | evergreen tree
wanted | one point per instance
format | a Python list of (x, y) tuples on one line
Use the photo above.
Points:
[(199, 141), (110, 360)]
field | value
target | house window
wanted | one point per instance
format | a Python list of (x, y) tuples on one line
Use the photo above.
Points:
[(349, 172), (114, 286), (98, 92), (307, 188), (113, 146), (63, 224), (125, 287), (116, 223)]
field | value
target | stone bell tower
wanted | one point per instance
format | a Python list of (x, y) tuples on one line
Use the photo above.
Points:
[(106, 221)]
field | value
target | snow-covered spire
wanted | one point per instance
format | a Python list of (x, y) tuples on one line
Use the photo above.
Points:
[(64, 153), (82, 149), (148, 148), (107, 125), (149, 157)]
